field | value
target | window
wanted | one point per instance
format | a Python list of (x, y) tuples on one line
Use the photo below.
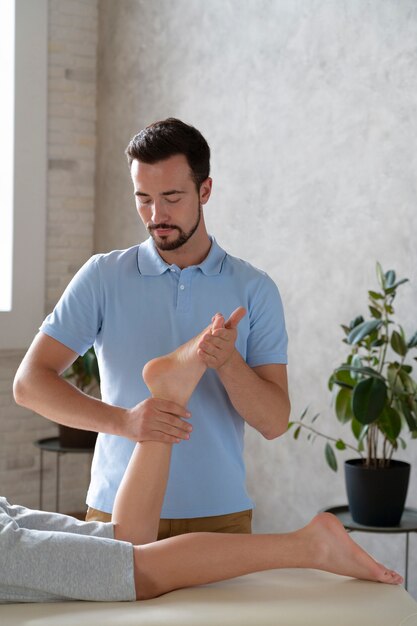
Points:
[(23, 185), (6, 153)]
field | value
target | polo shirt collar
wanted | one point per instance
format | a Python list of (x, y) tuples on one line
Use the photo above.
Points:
[(150, 263)]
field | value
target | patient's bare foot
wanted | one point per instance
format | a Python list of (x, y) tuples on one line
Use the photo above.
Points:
[(334, 551), (175, 375)]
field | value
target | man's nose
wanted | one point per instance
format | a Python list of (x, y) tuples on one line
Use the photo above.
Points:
[(159, 212)]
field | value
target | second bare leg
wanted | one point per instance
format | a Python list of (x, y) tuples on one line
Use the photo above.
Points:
[(201, 558)]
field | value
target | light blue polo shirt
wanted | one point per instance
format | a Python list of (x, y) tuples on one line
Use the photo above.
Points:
[(133, 307)]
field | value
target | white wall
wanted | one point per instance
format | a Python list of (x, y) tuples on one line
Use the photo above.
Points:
[(310, 110)]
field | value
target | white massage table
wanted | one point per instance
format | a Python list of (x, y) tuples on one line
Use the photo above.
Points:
[(275, 598)]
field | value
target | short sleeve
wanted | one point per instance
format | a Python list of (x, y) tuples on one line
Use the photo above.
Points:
[(267, 341), (76, 320)]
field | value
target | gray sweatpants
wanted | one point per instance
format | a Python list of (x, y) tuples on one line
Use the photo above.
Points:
[(49, 557)]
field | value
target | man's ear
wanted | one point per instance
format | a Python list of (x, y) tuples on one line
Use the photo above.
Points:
[(205, 190)]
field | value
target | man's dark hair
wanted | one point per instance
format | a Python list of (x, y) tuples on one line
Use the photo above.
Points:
[(169, 137)]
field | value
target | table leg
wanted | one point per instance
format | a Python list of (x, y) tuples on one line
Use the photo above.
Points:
[(57, 482), (41, 480), (406, 561)]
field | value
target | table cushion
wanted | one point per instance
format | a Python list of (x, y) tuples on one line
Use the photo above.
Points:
[(275, 598)]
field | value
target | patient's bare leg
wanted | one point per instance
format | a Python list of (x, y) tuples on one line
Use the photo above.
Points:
[(139, 499), (201, 558)]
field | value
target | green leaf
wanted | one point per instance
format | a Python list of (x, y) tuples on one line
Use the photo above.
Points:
[(365, 371), (413, 341), (398, 344), (343, 379), (407, 381), (392, 370), (400, 282), (340, 445), (375, 312), (290, 425), (390, 423), (378, 342), (359, 431), (357, 428), (304, 413), (380, 275), (406, 412), (297, 432), (356, 363), (83, 370), (375, 295), (330, 457), (363, 330), (96, 371), (355, 322), (343, 405), (390, 278), (368, 400)]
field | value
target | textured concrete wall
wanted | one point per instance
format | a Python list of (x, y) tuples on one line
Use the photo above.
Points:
[(71, 140), (310, 110)]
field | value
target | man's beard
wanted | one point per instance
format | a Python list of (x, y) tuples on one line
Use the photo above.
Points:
[(164, 244)]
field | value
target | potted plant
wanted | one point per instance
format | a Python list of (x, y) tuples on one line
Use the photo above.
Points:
[(84, 373), (375, 394)]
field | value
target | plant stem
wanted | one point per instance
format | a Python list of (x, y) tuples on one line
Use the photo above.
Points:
[(319, 434), (384, 348)]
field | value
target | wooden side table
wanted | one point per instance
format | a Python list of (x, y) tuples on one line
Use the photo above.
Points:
[(407, 525), (52, 444)]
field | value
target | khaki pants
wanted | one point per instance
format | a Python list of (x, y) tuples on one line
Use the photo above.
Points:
[(240, 522)]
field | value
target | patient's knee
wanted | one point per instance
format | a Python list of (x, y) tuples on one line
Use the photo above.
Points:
[(146, 583)]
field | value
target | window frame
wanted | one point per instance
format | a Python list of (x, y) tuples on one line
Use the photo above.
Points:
[(18, 326)]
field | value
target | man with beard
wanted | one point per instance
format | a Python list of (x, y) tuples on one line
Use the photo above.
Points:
[(134, 305)]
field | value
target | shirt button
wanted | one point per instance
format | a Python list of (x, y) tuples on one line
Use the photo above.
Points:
[(172, 270), (182, 287)]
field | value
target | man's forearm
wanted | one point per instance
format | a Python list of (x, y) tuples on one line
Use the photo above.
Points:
[(46, 393), (262, 404)]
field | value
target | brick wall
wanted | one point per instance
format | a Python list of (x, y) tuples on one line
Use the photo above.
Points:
[(72, 58)]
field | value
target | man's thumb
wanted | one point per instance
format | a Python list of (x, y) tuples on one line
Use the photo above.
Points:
[(234, 319)]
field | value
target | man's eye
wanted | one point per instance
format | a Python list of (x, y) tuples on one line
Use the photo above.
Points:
[(172, 201), (144, 201)]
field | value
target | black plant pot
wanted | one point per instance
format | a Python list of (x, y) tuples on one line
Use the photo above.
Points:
[(75, 438), (376, 496)]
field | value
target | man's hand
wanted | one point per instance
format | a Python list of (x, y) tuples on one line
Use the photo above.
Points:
[(217, 346), (157, 420)]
